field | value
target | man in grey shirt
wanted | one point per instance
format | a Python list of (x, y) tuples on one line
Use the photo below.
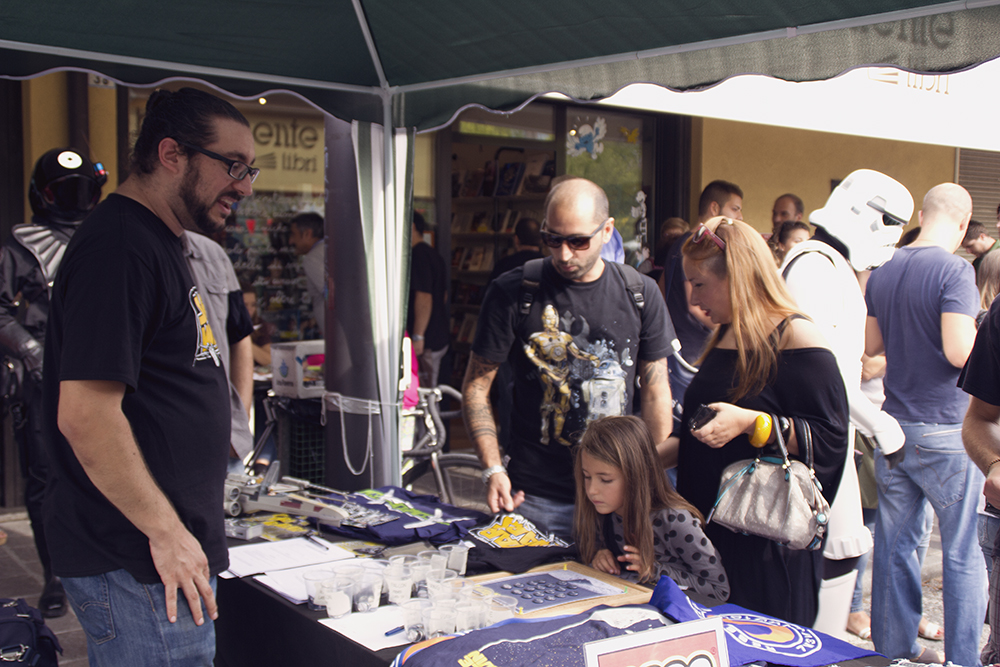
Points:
[(307, 239)]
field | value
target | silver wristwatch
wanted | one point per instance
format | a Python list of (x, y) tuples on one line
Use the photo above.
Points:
[(492, 470)]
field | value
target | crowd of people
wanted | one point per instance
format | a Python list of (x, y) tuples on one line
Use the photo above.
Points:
[(830, 335), (583, 382)]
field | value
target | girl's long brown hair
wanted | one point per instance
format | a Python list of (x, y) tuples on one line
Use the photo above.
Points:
[(756, 293), (626, 444)]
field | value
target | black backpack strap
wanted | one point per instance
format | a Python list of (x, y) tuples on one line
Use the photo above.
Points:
[(531, 280), (633, 283)]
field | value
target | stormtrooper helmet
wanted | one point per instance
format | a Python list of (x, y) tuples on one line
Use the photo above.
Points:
[(65, 185), (867, 213)]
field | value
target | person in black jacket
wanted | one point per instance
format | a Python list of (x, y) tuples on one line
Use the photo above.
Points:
[(65, 187)]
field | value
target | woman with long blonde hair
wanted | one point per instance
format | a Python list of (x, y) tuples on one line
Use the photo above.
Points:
[(988, 282), (766, 369), (629, 521)]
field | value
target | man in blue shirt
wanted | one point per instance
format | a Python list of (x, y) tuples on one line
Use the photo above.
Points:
[(921, 312)]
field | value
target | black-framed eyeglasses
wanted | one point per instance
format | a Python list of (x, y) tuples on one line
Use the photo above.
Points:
[(887, 218), (574, 241), (237, 170), (703, 231)]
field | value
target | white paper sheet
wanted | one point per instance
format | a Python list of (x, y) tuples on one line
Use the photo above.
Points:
[(249, 559), (369, 629)]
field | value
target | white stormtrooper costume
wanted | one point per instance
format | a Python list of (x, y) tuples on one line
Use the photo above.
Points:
[(857, 229)]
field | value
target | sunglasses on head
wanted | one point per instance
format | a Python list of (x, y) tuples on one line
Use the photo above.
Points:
[(574, 241), (703, 231)]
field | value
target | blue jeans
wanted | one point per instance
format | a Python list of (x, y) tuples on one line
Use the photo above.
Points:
[(988, 527), (126, 623), (935, 468), (549, 516), (857, 602)]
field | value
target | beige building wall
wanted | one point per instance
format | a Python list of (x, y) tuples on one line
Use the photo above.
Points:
[(767, 162)]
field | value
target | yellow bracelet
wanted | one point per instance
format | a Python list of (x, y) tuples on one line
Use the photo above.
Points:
[(761, 430)]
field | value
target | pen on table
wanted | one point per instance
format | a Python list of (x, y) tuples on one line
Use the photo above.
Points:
[(315, 540), (394, 631)]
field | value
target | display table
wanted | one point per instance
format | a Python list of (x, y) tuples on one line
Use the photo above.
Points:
[(259, 627)]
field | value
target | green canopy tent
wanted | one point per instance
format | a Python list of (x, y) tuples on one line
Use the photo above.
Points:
[(387, 64)]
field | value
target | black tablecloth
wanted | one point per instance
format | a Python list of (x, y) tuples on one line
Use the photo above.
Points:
[(259, 627)]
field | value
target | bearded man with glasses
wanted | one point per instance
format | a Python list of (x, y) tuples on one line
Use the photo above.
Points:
[(134, 380), (604, 327)]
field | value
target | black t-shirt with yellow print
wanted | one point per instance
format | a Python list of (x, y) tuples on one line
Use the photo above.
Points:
[(125, 309)]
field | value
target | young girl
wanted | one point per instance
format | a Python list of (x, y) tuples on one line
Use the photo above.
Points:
[(623, 496)]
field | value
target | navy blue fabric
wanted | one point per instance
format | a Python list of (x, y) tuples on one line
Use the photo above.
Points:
[(409, 508), (559, 641)]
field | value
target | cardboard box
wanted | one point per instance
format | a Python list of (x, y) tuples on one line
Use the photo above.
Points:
[(297, 368)]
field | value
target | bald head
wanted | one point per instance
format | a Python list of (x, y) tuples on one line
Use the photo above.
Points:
[(945, 215), (581, 196), (947, 202)]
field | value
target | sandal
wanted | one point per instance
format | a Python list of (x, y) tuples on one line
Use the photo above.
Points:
[(865, 631), (927, 656), (930, 630)]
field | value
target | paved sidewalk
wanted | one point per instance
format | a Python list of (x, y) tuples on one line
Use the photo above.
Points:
[(21, 577)]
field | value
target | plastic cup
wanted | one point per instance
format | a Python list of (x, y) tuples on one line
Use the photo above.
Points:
[(413, 619), (420, 570), (458, 555), (314, 579), (439, 561), (439, 621), (399, 583), (439, 584), (338, 594), (368, 592), (502, 607), (469, 616), (403, 559)]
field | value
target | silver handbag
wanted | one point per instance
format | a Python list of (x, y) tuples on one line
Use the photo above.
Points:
[(776, 498)]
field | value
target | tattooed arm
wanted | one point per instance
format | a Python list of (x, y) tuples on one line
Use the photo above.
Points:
[(479, 422), (657, 408)]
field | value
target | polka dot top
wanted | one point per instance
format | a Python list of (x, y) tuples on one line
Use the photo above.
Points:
[(683, 552)]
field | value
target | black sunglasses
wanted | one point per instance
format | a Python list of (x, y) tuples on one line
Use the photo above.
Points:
[(237, 170), (703, 231), (574, 241)]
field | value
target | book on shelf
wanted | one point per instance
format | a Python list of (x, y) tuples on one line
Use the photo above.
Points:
[(461, 221), (533, 181), (458, 256), (473, 183), (480, 222), (509, 220), (457, 181), (489, 179), (487, 263), (475, 258), (467, 330), (538, 175), (509, 179)]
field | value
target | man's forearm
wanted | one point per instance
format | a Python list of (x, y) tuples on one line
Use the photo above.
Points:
[(478, 412), (981, 433), (657, 406), (91, 418), (423, 304), (241, 370)]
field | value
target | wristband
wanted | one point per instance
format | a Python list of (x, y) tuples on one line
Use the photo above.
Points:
[(761, 430), (492, 470), (416, 337), (992, 463)]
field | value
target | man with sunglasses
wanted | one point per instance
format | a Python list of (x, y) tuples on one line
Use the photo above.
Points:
[(135, 384), (577, 341), (65, 187)]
